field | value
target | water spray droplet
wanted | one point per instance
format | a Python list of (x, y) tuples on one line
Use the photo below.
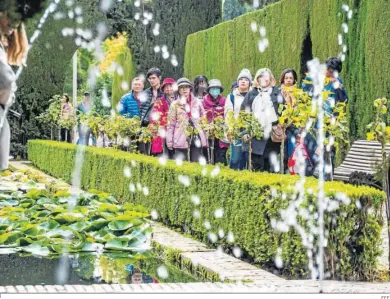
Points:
[(162, 272)]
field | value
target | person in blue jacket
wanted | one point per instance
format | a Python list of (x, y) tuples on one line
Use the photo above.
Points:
[(335, 85), (130, 104)]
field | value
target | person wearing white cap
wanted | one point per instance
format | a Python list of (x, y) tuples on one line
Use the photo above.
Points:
[(184, 112), (238, 158)]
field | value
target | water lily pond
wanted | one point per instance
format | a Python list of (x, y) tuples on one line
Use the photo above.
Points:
[(88, 268), (51, 236)]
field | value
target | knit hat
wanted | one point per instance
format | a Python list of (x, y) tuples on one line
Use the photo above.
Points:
[(167, 81), (245, 73), (184, 82), (215, 83)]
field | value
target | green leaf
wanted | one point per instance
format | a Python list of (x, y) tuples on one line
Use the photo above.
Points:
[(69, 217), (49, 225), (119, 225)]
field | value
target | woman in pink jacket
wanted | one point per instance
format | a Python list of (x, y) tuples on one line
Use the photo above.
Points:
[(159, 117), (214, 106), (184, 132)]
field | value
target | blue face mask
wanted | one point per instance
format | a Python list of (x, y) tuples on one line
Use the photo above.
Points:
[(214, 92)]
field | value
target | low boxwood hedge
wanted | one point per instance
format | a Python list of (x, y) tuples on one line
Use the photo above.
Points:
[(249, 202)]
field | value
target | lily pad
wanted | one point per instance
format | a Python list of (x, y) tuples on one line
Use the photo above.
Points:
[(69, 217), (49, 225), (37, 249), (120, 225)]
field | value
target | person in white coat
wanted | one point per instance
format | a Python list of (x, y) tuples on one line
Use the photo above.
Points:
[(238, 158), (13, 49)]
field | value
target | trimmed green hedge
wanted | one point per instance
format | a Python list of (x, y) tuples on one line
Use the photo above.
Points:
[(354, 234), (125, 60), (222, 51)]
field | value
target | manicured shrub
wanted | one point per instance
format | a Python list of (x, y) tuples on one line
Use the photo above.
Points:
[(249, 202)]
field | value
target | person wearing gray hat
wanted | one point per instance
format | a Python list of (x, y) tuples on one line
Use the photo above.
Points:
[(239, 157)]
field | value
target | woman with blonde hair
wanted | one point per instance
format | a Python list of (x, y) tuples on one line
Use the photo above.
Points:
[(13, 50), (263, 101)]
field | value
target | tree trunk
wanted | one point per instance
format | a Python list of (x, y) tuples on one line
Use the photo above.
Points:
[(51, 133), (212, 162), (282, 155), (250, 156), (385, 183), (104, 143), (66, 135), (59, 134), (189, 150)]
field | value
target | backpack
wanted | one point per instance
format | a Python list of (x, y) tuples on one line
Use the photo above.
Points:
[(293, 166)]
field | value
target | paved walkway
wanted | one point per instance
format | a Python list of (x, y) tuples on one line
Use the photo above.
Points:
[(221, 264)]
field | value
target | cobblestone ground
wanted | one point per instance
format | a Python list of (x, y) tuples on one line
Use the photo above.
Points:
[(226, 266)]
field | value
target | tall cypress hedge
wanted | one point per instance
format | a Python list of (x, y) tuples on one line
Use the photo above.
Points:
[(225, 49), (125, 60)]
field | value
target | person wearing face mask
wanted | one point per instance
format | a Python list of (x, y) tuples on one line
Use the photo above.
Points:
[(13, 49), (214, 106), (159, 117), (239, 158), (184, 112), (200, 87), (263, 101)]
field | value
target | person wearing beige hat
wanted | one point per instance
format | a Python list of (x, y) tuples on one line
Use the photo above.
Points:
[(184, 112)]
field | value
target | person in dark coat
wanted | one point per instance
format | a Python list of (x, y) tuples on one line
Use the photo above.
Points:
[(147, 102), (263, 101)]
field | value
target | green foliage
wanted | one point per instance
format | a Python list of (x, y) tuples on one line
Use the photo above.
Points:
[(224, 50), (44, 76), (245, 198), (125, 62)]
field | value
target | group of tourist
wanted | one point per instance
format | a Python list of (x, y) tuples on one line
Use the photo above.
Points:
[(177, 108)]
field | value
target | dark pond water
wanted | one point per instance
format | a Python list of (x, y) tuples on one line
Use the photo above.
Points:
[(85, 269)]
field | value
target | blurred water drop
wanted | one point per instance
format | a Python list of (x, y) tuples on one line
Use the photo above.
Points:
[(230, 237), (218, 213), (195, 199), (212, 237), (127, 172), (154, 214), (105, 5), (237, 252), (202, 161), (254, 26), (185, 180), (207, 224), (157, 49), (263, 31), (132, 188), (145, 191), (215, 171), (162, 272), (221, 233), (196, 214), (163, 160)]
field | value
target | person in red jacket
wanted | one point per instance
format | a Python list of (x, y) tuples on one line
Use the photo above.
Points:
[(159, 117), (214, 106)]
